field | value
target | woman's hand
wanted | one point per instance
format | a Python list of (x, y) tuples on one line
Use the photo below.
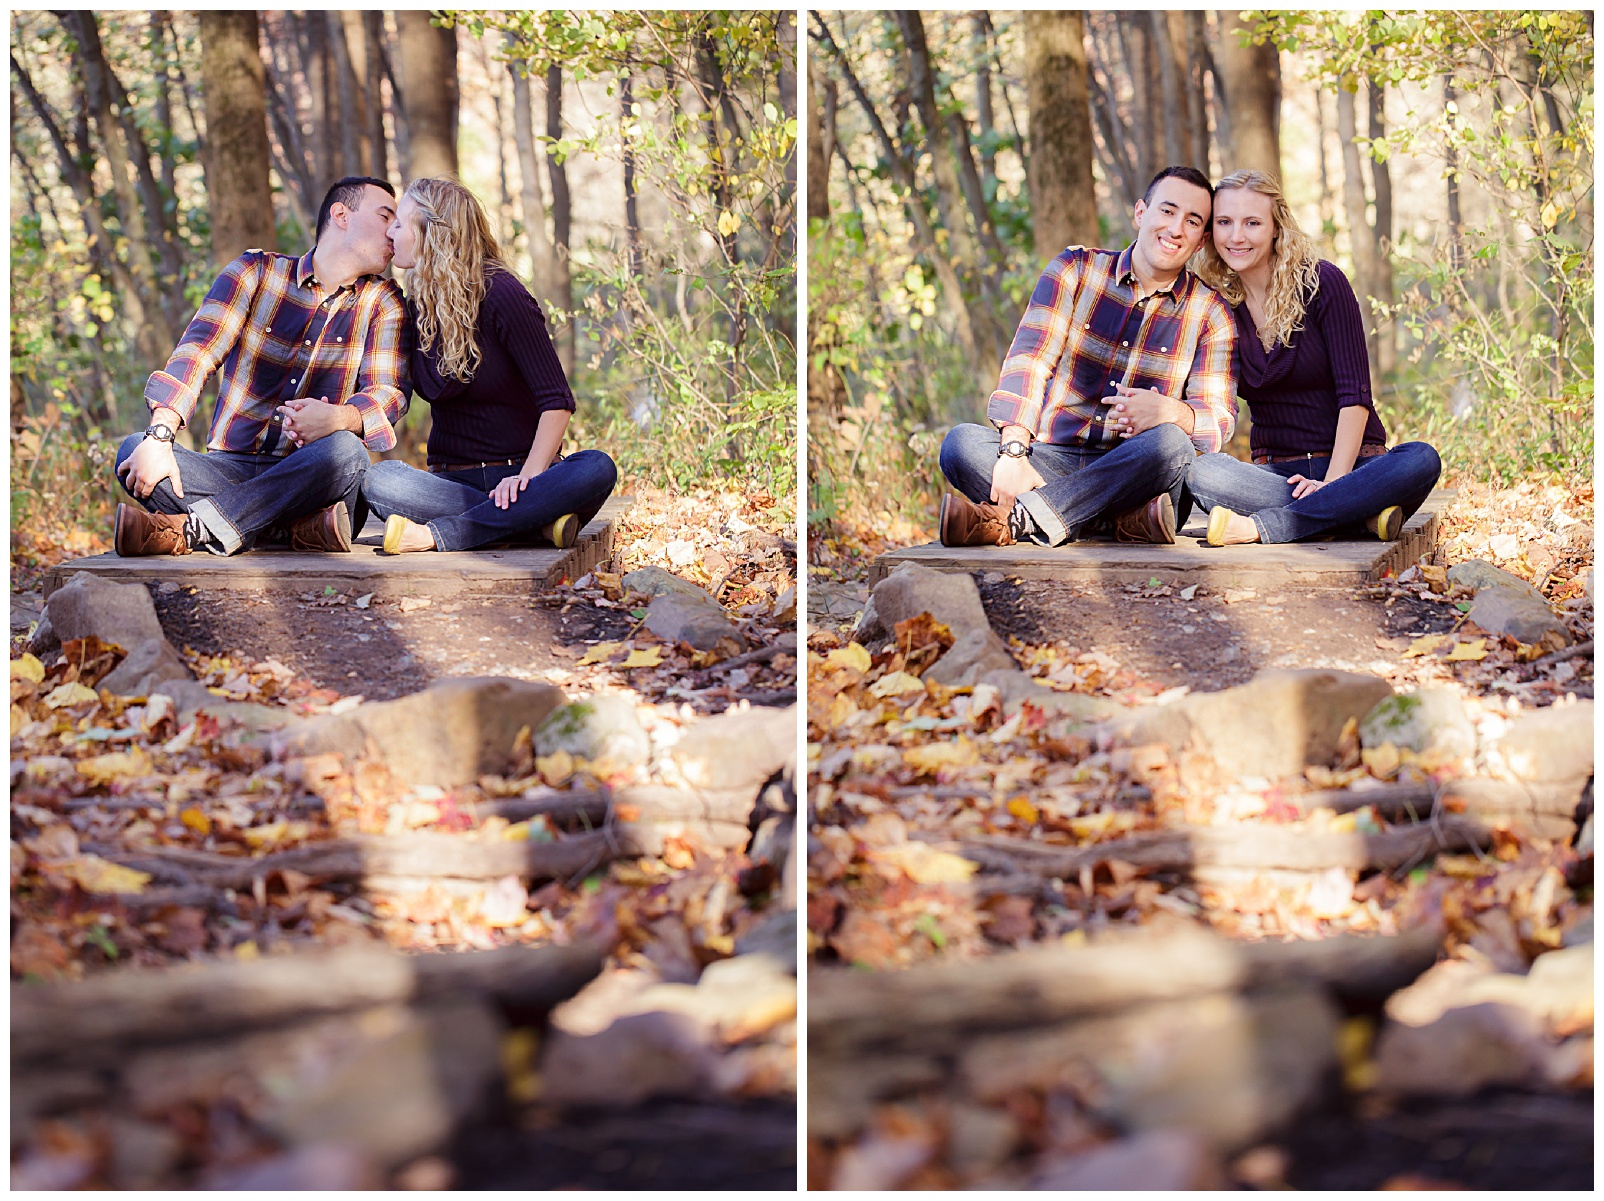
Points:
[(1303, 485), (508, 489)]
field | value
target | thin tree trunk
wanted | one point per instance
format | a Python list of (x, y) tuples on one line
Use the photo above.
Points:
[(534, 208), (818, 156), (1141, 61), (1381, 277), (1195, 62), (1252, 78), (1171, 73), (289, 151), (1063, 203), (351, 49), (325, 149), (372, 76), (349, 116), (427, 59), (1456, 227), (164, 104), (1359, 233), (626, 103), (504, 194), (562, 288), (237, 189), (1222, 112), (398, 112), (1327, 211), (981, 42)]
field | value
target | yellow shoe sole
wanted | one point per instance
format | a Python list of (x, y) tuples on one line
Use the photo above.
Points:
[(1389, 523), (394, 527), (1219, 522), (565, 531)]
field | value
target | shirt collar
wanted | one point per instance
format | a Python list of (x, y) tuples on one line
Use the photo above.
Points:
[(1125, 273), (303, 269)]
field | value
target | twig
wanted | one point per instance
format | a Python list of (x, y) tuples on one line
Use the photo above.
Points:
[(1568, 652)]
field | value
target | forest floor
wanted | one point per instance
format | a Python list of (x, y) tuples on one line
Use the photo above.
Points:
[(939, 771), (96, 778)]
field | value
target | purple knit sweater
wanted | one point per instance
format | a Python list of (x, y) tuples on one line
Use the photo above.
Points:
[(494, 415), (1295, 392)]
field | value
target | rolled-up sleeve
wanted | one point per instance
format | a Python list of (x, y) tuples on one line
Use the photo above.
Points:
[(1335, 309), (384, 382), (1211, 384), (208, 339), (1038, 345)]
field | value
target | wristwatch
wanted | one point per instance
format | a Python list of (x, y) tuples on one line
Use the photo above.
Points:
[(1016, 449), (160, 431)]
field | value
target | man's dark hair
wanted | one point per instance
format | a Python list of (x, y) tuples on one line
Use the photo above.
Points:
[(1189, 175), (348, 192)]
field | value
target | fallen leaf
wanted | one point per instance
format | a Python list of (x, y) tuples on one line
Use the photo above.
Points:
[(70, 694), (1383, 761), (897, 683), (651, 656), (362, 602), (1022, 809), (924, 864), (936, 756), (196, 820), (1234, 595), (556, 768), (119, 765), (411, 603), (27, 668), (1188, 592), (852, 655), (94, 874), (1426, 645), (599, 653), (1468, 651)]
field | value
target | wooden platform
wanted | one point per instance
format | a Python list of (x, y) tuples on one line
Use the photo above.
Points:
[(508, 571), (1190, 559)]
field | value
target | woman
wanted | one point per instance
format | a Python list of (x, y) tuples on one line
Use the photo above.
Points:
[(1320, 457), (484, 362)]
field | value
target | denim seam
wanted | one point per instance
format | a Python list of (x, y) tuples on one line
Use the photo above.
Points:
[(222, 530)]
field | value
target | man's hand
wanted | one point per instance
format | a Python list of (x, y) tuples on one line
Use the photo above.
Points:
[(508, 489), (151, 462), (307, 420), (1140, 409), (1009, 478)]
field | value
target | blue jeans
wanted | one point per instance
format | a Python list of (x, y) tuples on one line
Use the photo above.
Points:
[(237, 495), (1083, 486), (457, 508), (1404, 476)]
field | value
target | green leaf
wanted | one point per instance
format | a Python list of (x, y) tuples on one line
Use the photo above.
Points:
[(926, 925)]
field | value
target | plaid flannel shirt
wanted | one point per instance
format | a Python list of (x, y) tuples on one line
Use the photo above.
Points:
[(1087, 328), (274, 333)]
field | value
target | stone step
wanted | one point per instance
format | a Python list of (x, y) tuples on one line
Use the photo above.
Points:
[(1190, 559), (512, 570)]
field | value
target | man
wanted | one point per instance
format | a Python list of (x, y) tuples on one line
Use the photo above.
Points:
[(312, 355), (1121, 372)]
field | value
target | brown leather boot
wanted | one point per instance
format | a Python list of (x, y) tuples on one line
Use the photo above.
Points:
[(964, 523), (140, 533), (1152, 522), (327, 529)]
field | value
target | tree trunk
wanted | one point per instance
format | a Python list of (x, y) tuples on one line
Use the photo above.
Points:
[(626, 103), (350, 38), (984, 121), (1381, 277), (372, 42), (349, 117), (289, 149), (1252, 79), (237, 190), (1353, 199), (534, 208), (562, 288), (1328, 216), (1136, 37), (164, 104), (1063, 205), (818, 157), (315, 63), (1170, 52), (427, 60), (1195, 59), (1456, 226)]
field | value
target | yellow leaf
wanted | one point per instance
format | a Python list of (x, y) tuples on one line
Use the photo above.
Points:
[(926, 865), (70, 694), (248, 951), (1426, 645), (555, 768), (27, 668), (599, 653), (961, 753), (897, 683), (1383, 760), (728, 223), (1023, 809), (650, 657), (1435, 576), (261, 838), (851, 655), (94, 874), (1468, 651), (841, 708), (119, 765), (196, 821), (1343, 823)]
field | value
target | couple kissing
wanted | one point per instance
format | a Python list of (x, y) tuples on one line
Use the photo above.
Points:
[(317, 358)]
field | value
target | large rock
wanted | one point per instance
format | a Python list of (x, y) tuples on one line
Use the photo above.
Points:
[(121, 614), (698, 621), (1227, 1068), (973, 655), (737, 750), (191, 697), (654, 581), (950, 597), (447, 735), (1274, 725), (1015, 687), (1478, 574), (1432, 719), (149, 665), (1551, 745), (639, 1056), (1525, 618), (1466, 1049), (604, 727), (1157, 1161)]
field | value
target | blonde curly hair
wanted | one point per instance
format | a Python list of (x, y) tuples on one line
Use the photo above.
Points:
[(1295, 277), (456, 249)]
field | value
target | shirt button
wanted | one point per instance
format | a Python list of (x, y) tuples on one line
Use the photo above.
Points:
[(1164, 349), (1088, 325), (292, 379), (308, 342), (339, 339), (1124, 343)]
